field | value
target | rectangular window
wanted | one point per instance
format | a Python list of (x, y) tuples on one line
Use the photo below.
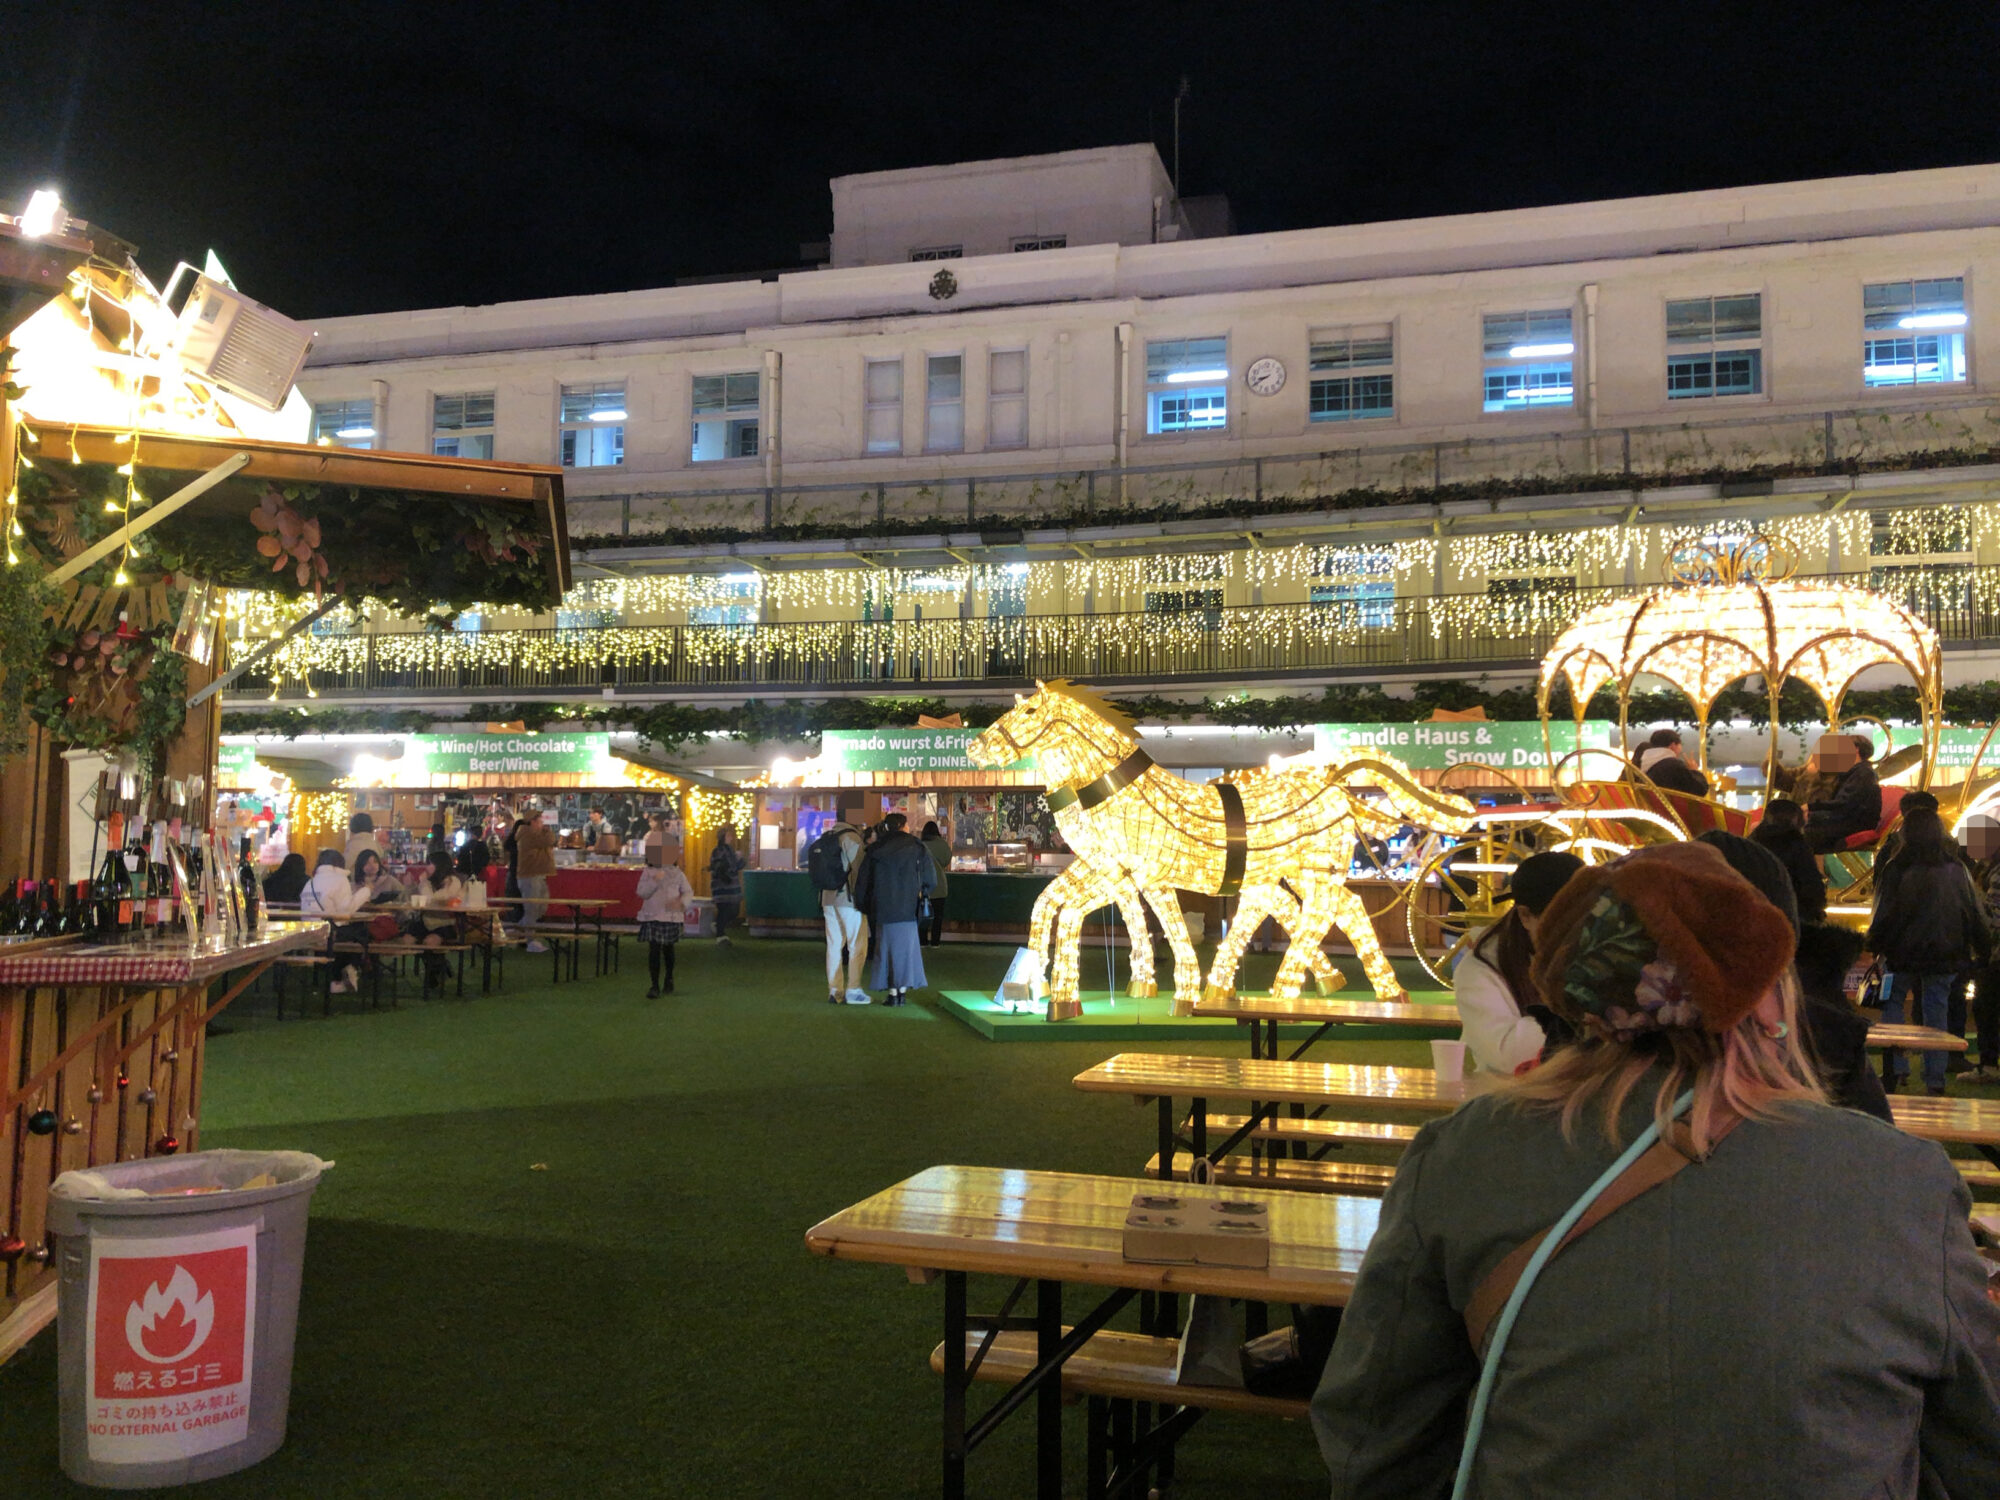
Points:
[(735, 598), (469, 622), (944, 403), (1914, 332), (1007, 597), (462, 426), (938, 252), (725, 416), (1041, 242), (1007, 398), (1528, 360), (593, 425), (1205, 605), (1187, 385), (1531, 586), (1715, 347), (1357, 586), (1352, 373), (882, 393), (586, 619), (344, 424)]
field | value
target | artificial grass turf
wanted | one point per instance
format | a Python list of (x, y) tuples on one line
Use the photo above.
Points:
[(641, 1318)]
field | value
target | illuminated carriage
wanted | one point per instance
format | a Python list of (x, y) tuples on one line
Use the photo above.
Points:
[(1724, 616)]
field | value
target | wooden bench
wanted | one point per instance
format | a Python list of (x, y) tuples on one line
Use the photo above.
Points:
[(400, 948), (1356, 1179), (1115, 1372), (1978, 1175), (1314, 1132)]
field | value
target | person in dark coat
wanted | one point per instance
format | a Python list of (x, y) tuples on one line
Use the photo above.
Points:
[(725, 883), (1783, 832), (1836, 1031), (940, 847), (1855, 805), (896, 876), (1929, 925), (284, 884), (1661, 759)]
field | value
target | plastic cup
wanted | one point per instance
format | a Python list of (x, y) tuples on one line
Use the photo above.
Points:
[(1449, 1060)]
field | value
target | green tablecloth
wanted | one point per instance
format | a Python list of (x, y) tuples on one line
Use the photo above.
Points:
[(780, 895)]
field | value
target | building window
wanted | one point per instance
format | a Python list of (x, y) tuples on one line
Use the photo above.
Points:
[(1204, 605), (1353, 374), (1007, 595), (725, 416), (1041, 241), (938, 252), (1187, 385), (1528, 360), (1715, 347), (883, 394), (734, 599), (1356, 586), (586, 619), (462, 426), (468, 622), (344, 424), (944, 403), (1914, 332), (1530, 586), (593, 425), (1007, 398)]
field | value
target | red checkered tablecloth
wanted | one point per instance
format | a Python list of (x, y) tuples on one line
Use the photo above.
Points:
[(151, 962)]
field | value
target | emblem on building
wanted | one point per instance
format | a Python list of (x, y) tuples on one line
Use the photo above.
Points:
[(944, 285)]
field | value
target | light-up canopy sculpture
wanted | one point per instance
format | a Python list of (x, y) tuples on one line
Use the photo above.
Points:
[(1140, 829), (1733, 612)]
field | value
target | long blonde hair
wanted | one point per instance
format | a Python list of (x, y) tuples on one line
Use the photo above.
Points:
[(1746, 1070)]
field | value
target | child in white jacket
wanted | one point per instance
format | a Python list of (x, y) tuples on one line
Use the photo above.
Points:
[(664, 894), (1490, 981)]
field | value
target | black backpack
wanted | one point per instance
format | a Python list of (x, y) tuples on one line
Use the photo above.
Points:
[(823, 861)]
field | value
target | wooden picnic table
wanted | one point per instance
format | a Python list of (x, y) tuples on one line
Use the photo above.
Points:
[(1264, 1013), (1053, 1228), (1913, 1039), (1950, 1120), (580, 907), (1267, 1083)]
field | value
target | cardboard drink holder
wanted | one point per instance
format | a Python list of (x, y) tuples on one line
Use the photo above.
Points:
[(1170, 1229)]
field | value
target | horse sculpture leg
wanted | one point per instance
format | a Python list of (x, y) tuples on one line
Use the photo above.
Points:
[(1078, 884), (1132, 912), (1187, 967), (1350, 915), (1259, 902)]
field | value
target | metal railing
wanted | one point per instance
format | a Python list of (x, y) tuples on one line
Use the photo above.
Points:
[(1472, 632), (1699, 450)]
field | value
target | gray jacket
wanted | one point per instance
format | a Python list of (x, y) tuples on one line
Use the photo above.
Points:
[(1802, 1316)]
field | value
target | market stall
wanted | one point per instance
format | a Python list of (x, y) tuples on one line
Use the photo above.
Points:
[(156, 506)]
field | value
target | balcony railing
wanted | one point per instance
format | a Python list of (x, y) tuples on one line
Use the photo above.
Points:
[(1242, 645), (1702, 449)]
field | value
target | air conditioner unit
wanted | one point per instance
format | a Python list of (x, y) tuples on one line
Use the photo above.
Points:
[(240, 345)]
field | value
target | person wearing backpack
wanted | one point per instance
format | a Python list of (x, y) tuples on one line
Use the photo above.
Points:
[(831, 860)]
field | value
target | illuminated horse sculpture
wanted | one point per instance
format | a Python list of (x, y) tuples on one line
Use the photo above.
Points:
[(1139, 829)]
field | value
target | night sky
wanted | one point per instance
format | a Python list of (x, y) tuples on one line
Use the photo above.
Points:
[(360, 158)]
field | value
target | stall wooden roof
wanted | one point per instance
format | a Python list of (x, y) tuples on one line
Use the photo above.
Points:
[(534, 489)]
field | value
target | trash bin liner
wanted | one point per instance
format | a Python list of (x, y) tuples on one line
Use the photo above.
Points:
[(177, 1305)]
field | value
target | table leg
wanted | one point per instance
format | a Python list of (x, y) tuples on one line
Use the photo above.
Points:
[(1198, 1117), (1048, 1399), (954, 1385), (1166, 1138)]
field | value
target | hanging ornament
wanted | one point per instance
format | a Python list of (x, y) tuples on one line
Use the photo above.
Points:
[(72, 1127), (147, 1096), (12, 1247), (96, 1095), (42, 1122), (123, 1078), (166, 1145)]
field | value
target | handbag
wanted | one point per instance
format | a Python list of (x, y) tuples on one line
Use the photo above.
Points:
[(384, 928), (1289, 1361)]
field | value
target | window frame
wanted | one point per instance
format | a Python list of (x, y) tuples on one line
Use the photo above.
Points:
[(869, 406), (1179, 601), (743, 600), (1159, 391), (920, 253), (732, 415), (1024, 243), (1356, 372), (1714, 349), (464, 430), (934, 404), (1955, 336), (1528, 366), (997, 398), (566, 427), (349, 406)]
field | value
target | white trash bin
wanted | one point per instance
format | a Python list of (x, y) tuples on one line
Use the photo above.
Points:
[(178, 1302)]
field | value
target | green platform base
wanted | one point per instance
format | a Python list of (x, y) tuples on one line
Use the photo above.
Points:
[(1107, 1018)]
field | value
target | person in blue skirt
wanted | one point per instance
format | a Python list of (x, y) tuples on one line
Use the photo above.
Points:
[(897, 877)]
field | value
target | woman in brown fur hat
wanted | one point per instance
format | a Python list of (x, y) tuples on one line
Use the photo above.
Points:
[(1751, 1325)]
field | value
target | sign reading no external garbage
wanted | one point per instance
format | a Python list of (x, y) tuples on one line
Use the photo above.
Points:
[(168, 1345), (1433, 747), (902, 750)]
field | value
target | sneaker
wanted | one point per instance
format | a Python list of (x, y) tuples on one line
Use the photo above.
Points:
[(1935, 1090), (653, 993), (338, 987), (667, 988), (722, 942), (834, 997), (1984, 1073), (859, 997), (535, 945)]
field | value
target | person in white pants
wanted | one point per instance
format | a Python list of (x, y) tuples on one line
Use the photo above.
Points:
[(846, 927)]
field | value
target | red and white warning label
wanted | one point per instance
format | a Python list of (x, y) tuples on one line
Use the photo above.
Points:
[(169, 1344)]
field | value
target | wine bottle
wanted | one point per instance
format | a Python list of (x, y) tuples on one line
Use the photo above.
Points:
[(10, 910), (253, 892), (24, 917), (85, 901), (48, 915), (71, 921)]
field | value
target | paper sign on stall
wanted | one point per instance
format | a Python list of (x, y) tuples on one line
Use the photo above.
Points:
[(168, 1348)]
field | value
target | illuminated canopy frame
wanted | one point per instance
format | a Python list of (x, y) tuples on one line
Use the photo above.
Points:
[(1703, 636)]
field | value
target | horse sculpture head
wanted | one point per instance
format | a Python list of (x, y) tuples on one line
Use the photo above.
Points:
[(1059, 727)]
